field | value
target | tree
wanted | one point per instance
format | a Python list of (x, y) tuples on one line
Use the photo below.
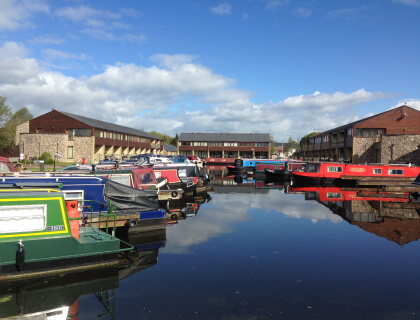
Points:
[(164, 137), (9, 121), (310, 135), (174, 140)]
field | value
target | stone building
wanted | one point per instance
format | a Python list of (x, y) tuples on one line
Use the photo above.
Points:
[(392, 136), (73, 138)]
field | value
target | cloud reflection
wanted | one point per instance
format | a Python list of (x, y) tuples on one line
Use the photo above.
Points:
[(216, 218)]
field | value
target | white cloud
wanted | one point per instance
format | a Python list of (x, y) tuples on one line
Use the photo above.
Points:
[(274, 4), (176, 91), (413, 103), (61, 55), (15, 14), (303, 12), (410, 2), (222, 9), (84, 14), (12, 49)]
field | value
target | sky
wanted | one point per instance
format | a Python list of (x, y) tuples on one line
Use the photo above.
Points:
[(283, 67)]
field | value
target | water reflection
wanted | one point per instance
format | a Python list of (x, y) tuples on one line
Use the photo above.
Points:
[(57, 297), (254, 249), (393, 216)]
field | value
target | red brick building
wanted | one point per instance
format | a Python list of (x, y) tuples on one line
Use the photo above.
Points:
[(389, 137), (225, 145)]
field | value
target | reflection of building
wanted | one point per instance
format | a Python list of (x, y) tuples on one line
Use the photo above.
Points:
[(74, 137), (225, 145), (381, 218), (389, 137)]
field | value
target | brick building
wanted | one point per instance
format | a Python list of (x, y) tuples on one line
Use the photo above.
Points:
[(225, 145), (74, 137), (389, 137)]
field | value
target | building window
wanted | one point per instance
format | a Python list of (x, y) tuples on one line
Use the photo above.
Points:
[(38, 130), (369, 133), (215, 144), (335, 169), (69, 152), (399, 172), (377, 171), (230, 144), (261, 144), (350, 132), (199, 144)]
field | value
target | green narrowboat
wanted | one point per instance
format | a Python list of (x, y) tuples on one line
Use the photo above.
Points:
[(37, 236)]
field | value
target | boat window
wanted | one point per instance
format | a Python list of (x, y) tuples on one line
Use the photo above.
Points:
[(335, 169), (334, 195), (377, 171), (395, 171), (146, 178), (4, 167), (311, 167), (23, 218), (120, 178)]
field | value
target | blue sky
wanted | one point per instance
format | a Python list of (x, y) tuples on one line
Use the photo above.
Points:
[(284, 67)]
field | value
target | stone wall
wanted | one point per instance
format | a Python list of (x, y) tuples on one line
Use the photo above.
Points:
[(22, 128), (33, 145), (364, 150), (400, 149)]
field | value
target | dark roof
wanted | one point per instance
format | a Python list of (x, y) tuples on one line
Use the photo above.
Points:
[(169, 147), (109, 126), (234, 137)]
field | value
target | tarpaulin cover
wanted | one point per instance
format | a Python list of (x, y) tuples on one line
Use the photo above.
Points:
[(130, 199)]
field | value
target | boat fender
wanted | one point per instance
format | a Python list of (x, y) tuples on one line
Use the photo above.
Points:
[(174, 194), (20, 256)]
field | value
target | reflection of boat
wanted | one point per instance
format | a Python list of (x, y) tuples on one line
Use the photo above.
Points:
[(344, 194), (41, 298), (322, 172), (40, 233), (144, 254), (56, 297), (282, 171), (385, 215), (185, 207)]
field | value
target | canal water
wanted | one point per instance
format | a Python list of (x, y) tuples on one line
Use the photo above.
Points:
[(250, 250)]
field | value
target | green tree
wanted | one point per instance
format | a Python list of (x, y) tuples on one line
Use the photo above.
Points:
[(8, 131), (310, 135), (5, 114), (174, 140), (164, 137)]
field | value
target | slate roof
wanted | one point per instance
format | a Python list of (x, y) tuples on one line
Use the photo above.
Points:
[(351, 124), (228, 137), (109, 126), (169, 147)]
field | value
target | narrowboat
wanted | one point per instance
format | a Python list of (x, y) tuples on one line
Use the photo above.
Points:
[(40, 234), (330, 172), (188, 172), (143, 178), (95, 193), (282, 171), (248, 165), (171, 174)]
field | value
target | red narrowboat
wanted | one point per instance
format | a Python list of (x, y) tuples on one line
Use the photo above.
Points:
[(324, 172)]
